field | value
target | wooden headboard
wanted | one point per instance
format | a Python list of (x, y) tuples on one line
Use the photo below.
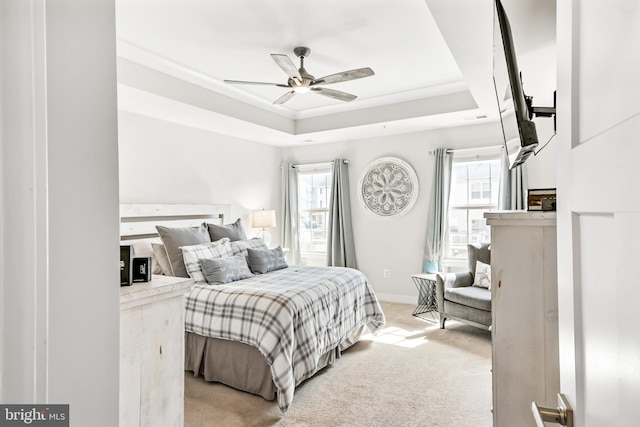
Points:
[(138, 221)]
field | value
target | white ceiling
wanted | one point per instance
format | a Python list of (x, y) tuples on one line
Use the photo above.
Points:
[(432, 61)]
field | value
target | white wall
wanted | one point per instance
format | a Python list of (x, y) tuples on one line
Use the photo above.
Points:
[(58, 216), (539, 79), (164, 162)]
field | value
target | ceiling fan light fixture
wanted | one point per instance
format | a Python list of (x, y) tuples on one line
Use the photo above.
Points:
[(301, 90)]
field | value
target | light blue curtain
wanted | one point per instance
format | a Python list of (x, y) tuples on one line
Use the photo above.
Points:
[(289, 233), (438, 209), (341, 250), (513, 186)]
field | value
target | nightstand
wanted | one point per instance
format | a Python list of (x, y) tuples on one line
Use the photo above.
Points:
[(152, 352)]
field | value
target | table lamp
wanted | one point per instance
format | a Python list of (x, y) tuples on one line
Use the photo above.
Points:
[(264, 219)]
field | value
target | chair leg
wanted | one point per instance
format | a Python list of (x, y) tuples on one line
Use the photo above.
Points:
[(442, 319)]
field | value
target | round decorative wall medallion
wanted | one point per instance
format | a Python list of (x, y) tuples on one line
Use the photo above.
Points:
[(389, 187)]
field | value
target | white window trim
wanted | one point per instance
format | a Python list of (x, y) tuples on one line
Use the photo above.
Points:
[(311, 169), (477, 154), (315, 167), (470, 155)]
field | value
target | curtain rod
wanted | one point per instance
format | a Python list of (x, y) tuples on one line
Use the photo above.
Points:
[(461, 150), (295, 165)]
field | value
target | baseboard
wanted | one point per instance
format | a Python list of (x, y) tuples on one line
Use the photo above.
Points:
[(403, 299)]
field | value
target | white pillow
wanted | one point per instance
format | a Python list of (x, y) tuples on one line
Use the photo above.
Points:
[(193, 254), (482, 276), (161, 259)]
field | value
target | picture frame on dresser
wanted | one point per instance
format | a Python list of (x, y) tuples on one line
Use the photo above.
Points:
[(126, 262), (541, 199), (141, 269)]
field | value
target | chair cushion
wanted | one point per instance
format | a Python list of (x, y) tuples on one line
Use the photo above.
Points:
[(471, 296)]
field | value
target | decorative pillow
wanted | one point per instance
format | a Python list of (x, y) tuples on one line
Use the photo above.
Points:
[(264, 260), (233, 231), (161, 258), (482, 277), (175, 237), (193, 254), (224, 270), (241, 246)]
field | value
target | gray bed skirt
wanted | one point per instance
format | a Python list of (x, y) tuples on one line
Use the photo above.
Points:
[(242, 366)]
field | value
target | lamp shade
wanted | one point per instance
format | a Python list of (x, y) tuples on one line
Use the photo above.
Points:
[(263, 218)]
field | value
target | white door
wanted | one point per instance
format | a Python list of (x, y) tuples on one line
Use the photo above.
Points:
[(598, 157)]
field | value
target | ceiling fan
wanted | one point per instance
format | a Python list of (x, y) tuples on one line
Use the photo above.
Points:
[(300, 81)]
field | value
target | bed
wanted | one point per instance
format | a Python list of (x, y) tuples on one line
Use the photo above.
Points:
[(267, 332)]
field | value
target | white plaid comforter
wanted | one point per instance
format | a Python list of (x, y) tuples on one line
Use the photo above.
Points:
[(293, 316)]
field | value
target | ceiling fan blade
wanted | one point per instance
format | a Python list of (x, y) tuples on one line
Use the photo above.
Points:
[(335, 94), (345, 76), (284, 98), (287, 66), (242, 82)]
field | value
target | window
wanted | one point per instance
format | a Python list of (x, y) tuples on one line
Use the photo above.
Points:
[(314, 188), (474, 190), (480, 191)]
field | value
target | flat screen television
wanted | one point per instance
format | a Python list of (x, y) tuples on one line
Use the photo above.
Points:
[(519, 132)]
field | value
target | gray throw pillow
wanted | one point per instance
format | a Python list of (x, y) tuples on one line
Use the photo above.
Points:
[(234, 231), (264, 260), (193, 254), (176, 237), (224, 270)]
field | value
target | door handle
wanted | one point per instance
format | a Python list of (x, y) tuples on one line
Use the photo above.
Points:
[(562, 415)]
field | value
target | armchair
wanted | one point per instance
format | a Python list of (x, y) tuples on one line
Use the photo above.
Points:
[(458, 299)]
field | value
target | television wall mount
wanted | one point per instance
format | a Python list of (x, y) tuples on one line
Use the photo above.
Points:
[(541, 111)]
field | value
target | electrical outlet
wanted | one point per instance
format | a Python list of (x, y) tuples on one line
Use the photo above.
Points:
[(386, 273)]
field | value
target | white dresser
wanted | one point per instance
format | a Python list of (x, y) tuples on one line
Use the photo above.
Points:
[(524, 292), (152, 352)]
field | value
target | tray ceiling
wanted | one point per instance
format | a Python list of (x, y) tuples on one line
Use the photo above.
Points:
[(432, 61)]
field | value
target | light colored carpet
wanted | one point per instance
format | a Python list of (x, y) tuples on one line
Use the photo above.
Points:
[(413, 374)]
